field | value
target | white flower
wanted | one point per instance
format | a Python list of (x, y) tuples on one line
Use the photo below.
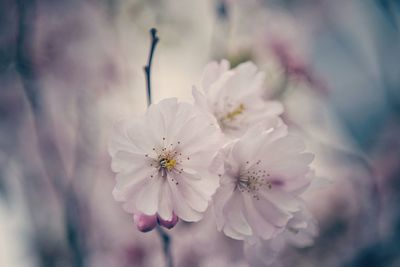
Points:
[(265, 172), (235, 96), (162, 160), (300, 232)]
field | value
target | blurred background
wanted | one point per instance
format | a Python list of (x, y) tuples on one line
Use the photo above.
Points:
[(69, 69)]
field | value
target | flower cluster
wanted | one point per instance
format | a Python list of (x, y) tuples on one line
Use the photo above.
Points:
[(230, 151)]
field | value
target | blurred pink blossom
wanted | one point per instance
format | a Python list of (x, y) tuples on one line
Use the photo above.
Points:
[(234, 96)]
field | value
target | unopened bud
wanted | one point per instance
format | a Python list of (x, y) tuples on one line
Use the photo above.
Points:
[(145, 223), (170, 223)]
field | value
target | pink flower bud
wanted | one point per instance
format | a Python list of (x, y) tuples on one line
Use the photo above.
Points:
[(145, 223), (168, 224)]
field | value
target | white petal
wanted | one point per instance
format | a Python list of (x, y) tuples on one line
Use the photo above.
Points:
[(148, 198), (130, 206), (272, 213), (155, 124), (260, 226), (282, 199), (244, 75), (176, 118), (181, 208), (136, 132), (246, 149), (124, 161), (231, 232), (120, 139), (288, 145), (199, 99), (289, 166), (212, 72), (220, 198), (194, 134), (165, 205), (130, 182), (274, 107), (220, 89), (191, 194), (235, 219)]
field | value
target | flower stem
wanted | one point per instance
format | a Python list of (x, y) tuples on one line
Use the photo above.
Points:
[(165, 238), (166, 242), (147, 68)]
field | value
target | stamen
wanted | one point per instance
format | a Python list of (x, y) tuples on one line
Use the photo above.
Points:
[(234, 113), (251, 181), (168, 163), (166, 160)]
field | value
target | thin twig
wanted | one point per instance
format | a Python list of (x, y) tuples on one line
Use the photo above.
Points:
[(147, 68), (166, 242)]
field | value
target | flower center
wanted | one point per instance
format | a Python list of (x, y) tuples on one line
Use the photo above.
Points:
[(230, 116), (168, 163), (251, 181), (167, 159)]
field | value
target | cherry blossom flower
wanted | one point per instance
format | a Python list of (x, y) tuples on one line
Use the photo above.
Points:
[(265, 172), (300, 232), (235, 96), (162, 162)]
